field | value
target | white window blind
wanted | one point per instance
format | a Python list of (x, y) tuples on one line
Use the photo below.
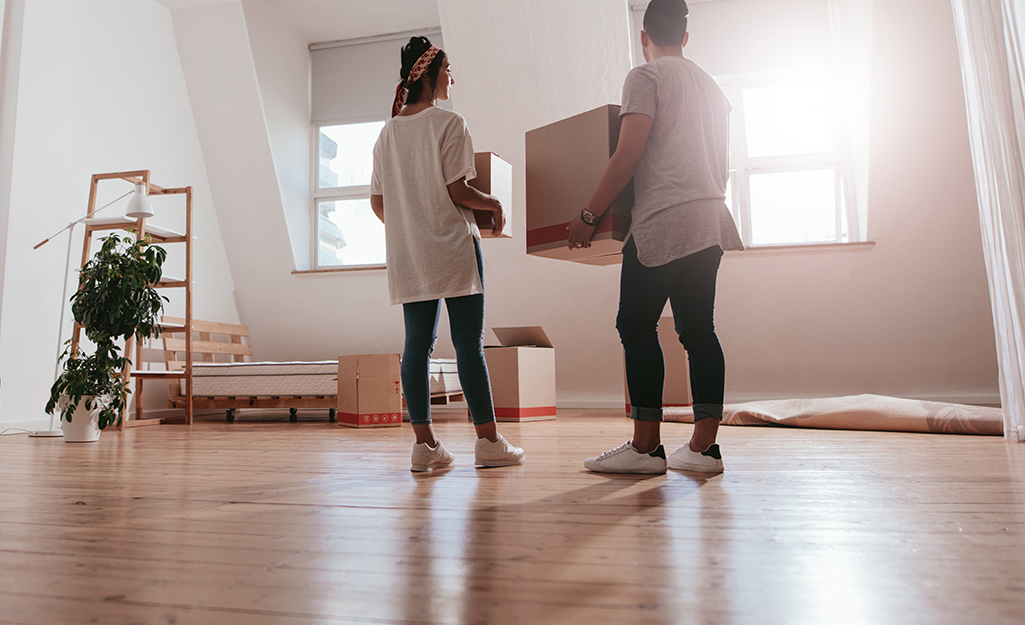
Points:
[(355, 80)]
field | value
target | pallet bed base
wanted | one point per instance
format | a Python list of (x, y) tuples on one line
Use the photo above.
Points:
[(294, 403)]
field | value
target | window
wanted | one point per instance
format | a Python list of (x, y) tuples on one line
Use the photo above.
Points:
[(352, 84), (348, 233), (792, 149), (789, 183)]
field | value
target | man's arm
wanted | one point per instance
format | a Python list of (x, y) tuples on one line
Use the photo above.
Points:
[(377, 205), (465, 195), (633, 139)]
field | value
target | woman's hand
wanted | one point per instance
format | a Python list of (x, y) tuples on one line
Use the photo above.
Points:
[(499, 216), (579, 234)]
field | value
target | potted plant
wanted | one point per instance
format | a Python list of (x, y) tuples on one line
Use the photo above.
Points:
[(116, 300)]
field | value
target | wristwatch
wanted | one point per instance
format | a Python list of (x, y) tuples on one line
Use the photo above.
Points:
[(589, 218)]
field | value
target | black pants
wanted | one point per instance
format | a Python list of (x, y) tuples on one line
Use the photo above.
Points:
[(689, 285)]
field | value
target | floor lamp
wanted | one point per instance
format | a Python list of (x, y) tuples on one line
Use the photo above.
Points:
[(138, 206)]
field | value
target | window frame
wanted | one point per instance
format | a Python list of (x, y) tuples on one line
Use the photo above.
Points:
[(326, 194), (742, 166), (842, 156)]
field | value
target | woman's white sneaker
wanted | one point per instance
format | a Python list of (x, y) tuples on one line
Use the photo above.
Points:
[(497, 454), (686, 459), (425, 457), (626, 459)]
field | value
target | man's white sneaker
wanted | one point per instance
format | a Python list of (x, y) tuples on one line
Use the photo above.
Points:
[(425, 457), (497, 454), (626, 459), (686, 459)]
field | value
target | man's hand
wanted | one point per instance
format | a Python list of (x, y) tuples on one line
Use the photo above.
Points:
[(579, 234)]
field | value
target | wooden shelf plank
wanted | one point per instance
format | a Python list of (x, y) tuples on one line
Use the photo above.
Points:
[(123, 223), (158, 375)]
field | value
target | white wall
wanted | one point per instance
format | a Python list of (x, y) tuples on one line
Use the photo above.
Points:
[(908, 317), (282, 61), (99, 88)]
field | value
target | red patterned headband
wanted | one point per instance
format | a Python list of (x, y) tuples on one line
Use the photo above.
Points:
[(418, 70)]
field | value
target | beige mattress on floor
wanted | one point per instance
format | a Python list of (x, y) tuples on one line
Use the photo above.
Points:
[(859, 412), (257, 379)]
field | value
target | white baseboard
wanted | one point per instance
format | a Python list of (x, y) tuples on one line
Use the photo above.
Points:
[(33, 424)]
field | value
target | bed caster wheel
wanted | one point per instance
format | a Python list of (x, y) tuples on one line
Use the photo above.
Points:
[(293, 415), (230, 415), (332, 416)]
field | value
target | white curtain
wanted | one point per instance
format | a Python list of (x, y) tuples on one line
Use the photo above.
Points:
[(989, 34)]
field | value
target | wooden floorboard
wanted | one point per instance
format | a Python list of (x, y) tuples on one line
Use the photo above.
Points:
[(265, 522)]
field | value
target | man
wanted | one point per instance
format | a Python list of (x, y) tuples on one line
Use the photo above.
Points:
[(674, 144)]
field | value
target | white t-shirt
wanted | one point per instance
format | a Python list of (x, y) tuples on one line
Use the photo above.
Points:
[(680, 184), (430, 251)]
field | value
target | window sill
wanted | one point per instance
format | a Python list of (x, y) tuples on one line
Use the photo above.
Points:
[(323, 270), (804, 248)]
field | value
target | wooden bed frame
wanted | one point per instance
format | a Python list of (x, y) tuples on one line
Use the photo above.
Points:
[(227, 339), (212, 339)]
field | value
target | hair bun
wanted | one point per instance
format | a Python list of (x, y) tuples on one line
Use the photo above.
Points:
[(411, 52)]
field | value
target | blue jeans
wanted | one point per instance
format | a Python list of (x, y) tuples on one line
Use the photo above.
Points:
[(466, 321), (689, 285)]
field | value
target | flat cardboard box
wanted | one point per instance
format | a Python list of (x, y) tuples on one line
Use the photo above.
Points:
[(565, 162), (522, 372), (369, 391), (676, 389), (494, 177)]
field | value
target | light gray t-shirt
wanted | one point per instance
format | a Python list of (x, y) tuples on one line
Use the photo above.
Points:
[(680, 184), (429, 239)]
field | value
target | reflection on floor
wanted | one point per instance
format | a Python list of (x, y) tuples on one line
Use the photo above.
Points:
[(269, 522)]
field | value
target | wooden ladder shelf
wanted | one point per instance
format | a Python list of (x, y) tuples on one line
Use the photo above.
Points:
[(184, 326)]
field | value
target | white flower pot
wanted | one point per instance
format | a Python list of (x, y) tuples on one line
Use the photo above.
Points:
[(84, 426)]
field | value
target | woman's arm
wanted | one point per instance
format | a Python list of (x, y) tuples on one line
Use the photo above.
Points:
[(377, 205), (465, 195), (633, 139)]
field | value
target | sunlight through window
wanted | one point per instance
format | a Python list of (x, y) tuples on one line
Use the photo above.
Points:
[(348, 232), (788, 119)]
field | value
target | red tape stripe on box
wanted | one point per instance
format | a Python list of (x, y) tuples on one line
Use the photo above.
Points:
[(370, 419), (522, 413), (558, 232)]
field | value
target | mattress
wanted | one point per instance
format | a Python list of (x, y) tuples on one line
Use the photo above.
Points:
[(232, 379), (248, 379)]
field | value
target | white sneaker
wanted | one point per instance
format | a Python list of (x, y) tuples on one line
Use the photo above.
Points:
[(425, 457), (497, 454), (626, 459), (686, 459)]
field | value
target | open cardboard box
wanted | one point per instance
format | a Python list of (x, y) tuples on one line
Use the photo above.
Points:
[(565, 162), (494, 177), (369, 391), (522, 372), (676, 388)]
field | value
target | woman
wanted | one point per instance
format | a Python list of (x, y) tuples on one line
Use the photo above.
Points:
[(422, 161)]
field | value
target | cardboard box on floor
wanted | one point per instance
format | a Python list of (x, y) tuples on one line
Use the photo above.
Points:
[(494, 177), (522, 372), (369, 391), (676, 389), (565, 162)]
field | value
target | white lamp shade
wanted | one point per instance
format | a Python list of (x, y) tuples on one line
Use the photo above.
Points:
[(139, 206)]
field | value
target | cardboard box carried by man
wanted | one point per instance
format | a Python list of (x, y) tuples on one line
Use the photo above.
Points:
[(565, 162)]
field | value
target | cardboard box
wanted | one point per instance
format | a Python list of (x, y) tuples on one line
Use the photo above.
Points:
[(494, 177), (522, 372), (565, 162), (676, 389), (369, 391)]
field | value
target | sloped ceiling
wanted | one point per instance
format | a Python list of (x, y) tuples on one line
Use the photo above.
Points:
[(332, 20)]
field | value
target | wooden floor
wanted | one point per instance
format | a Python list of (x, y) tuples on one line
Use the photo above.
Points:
[(268, 522)]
